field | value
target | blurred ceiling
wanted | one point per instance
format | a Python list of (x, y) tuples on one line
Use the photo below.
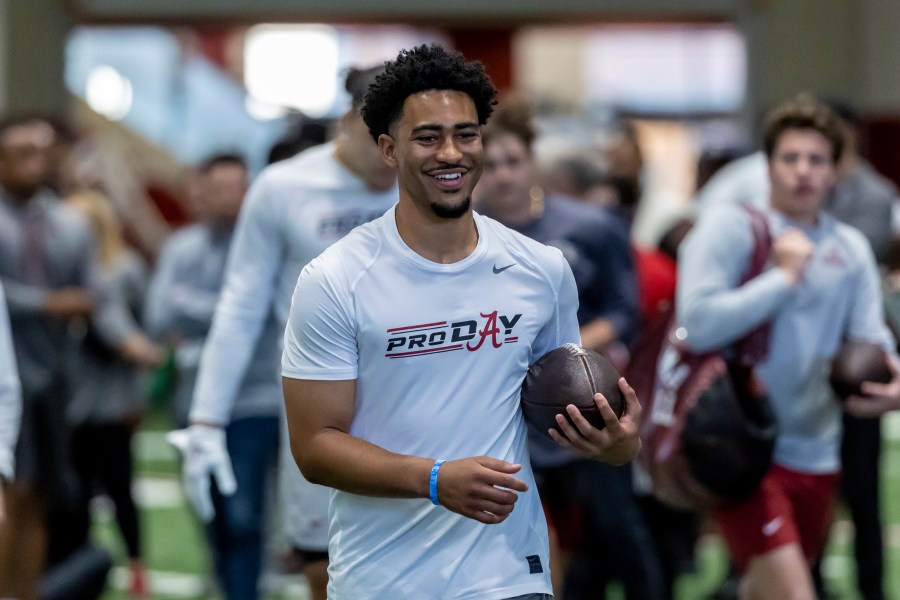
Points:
[(469, 12)]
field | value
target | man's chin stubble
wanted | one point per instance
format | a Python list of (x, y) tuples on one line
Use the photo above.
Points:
[(452, 212)]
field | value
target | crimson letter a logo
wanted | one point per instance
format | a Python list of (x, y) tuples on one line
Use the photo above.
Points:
[(490, 329)]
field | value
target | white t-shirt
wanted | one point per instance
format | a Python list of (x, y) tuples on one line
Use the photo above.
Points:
[(439, 352), (294, 210)]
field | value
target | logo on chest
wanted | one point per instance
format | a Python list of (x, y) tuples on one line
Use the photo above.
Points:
[(491, 330), (339, 225), (834, 258)]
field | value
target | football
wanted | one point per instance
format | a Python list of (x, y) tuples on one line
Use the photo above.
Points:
[(855, 362), (569, 375)]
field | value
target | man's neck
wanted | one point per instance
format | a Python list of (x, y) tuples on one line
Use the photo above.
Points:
[(344, 155), (513, 216), (223, 225), (806, 220), (522, 214), (19, 197), (848, 165), (443, 241)]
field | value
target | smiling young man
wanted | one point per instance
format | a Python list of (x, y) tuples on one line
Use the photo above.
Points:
[(821, 288), (406, 347)]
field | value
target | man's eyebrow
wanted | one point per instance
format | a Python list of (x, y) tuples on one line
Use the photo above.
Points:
[(436, 127)]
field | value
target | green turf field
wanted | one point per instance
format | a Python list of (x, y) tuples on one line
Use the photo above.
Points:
[(176, 556)]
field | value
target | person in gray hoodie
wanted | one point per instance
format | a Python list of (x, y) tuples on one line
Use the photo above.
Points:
[(821, 288)]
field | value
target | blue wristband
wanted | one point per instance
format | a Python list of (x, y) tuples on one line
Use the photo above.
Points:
[(432, 482)]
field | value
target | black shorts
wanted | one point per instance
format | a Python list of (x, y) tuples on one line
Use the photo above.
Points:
[(311, 556)]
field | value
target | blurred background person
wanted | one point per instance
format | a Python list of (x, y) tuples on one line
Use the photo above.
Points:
[(581, 173), (109, 392), (46, 263), (863, 198), (295, 209), (610, 176), (594, 545), (10, 418), (187, 278), (302, 136), (776, 535), (184, 291)]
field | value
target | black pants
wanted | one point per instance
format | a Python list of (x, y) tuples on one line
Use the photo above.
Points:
[(860, 461), (675, 533), (103, 461), (43, 459), (615, 541)]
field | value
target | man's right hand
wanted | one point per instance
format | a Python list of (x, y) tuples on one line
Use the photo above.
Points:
[(69, 302), (791, 251), (139, 349), (205, 459), (480, 488)]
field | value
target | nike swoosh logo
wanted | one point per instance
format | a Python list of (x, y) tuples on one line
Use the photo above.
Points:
[(771, 527), (501, 269)]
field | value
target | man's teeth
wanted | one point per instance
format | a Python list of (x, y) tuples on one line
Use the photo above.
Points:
[(449, 177)]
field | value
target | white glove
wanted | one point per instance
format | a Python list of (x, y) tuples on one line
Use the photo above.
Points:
[(205, 455)]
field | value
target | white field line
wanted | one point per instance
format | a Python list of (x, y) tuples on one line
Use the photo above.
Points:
[(152, 445), (187, 585), (890, 426)]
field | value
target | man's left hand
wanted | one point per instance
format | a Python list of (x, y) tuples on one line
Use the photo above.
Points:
[(617, 443), (879, 398)]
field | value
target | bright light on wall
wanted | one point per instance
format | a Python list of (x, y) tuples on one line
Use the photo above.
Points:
[(108, 92), (293, 66), (666, 68)]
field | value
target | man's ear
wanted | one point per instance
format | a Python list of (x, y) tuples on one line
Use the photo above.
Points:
[(387, 147)]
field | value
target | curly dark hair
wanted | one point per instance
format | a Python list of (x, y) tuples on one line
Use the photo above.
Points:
[(804, 111), (421, 69)]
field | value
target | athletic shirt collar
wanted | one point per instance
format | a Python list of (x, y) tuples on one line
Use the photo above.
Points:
[(393, 237), (778, 222)]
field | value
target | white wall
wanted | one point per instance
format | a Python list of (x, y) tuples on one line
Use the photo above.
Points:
[(32, 40), (812, 45), (878, 48), (548, 62)]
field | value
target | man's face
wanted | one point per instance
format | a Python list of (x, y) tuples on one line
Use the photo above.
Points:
[(226, 185), (802, 173), (436, 147), (366, 159), (509, 173), (25, 158)]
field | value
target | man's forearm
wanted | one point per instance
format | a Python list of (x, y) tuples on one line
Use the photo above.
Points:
[(339, 460), (598, 334)]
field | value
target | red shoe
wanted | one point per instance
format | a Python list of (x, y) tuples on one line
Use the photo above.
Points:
[(138, 581)]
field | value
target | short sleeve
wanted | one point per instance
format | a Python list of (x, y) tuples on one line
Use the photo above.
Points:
[(320, 340), (562, 325)]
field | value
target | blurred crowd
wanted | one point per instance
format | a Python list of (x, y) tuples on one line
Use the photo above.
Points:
[(91, 316)]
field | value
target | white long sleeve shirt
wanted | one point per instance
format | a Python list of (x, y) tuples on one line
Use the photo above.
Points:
[(294, 210), (839, 297)]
